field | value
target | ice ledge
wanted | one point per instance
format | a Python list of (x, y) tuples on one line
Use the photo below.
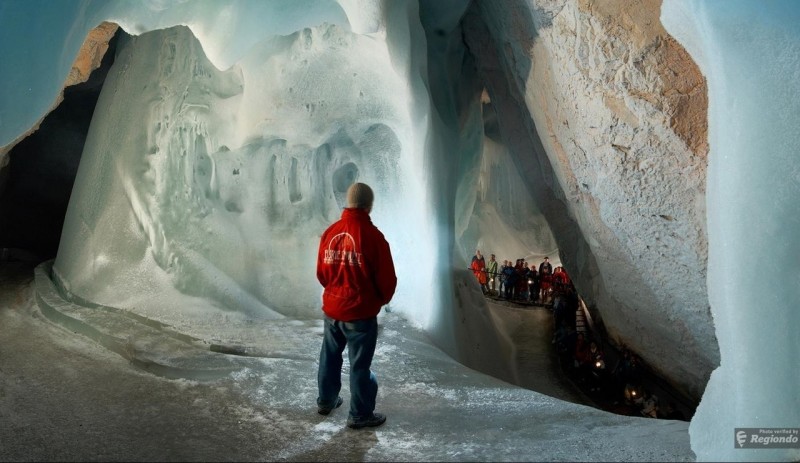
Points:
[(147, 344)]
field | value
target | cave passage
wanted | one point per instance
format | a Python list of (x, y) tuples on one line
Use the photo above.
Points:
[(558, 350)]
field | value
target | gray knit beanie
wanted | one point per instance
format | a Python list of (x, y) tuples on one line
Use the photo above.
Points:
[(360, 195)]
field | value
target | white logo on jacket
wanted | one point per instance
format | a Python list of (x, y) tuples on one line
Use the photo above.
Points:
[(345, 251)]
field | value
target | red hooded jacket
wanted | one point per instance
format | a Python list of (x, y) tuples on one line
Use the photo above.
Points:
[(355, 267)]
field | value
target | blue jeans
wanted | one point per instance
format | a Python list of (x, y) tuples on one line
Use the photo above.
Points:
[(360, 336)]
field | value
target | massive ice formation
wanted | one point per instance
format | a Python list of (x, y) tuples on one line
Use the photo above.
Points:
[(217, 183)]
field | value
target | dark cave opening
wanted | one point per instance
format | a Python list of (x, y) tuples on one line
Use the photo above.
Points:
[(41, 171)]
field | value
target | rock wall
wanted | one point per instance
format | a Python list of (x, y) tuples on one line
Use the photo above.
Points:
[(91, 54), (614, 112)]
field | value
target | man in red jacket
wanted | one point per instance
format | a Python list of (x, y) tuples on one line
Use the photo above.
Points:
[(355, 267)]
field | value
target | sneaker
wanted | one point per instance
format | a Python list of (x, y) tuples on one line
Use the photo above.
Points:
[(326, 410), (376, 419)]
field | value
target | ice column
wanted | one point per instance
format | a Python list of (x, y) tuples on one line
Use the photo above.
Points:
[(750, 54)]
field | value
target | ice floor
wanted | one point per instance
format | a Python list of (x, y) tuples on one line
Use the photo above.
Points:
[(64, 396)]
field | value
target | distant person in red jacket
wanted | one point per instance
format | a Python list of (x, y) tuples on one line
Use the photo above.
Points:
[(355, 267), (478, 266), (560, 280)]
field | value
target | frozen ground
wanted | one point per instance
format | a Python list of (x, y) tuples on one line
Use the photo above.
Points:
[(65, 397)]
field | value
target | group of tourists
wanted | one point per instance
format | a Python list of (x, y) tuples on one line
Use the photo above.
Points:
[(583, 357), (517, 281)]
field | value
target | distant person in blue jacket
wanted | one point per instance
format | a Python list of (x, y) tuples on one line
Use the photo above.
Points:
[(510, 282)]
